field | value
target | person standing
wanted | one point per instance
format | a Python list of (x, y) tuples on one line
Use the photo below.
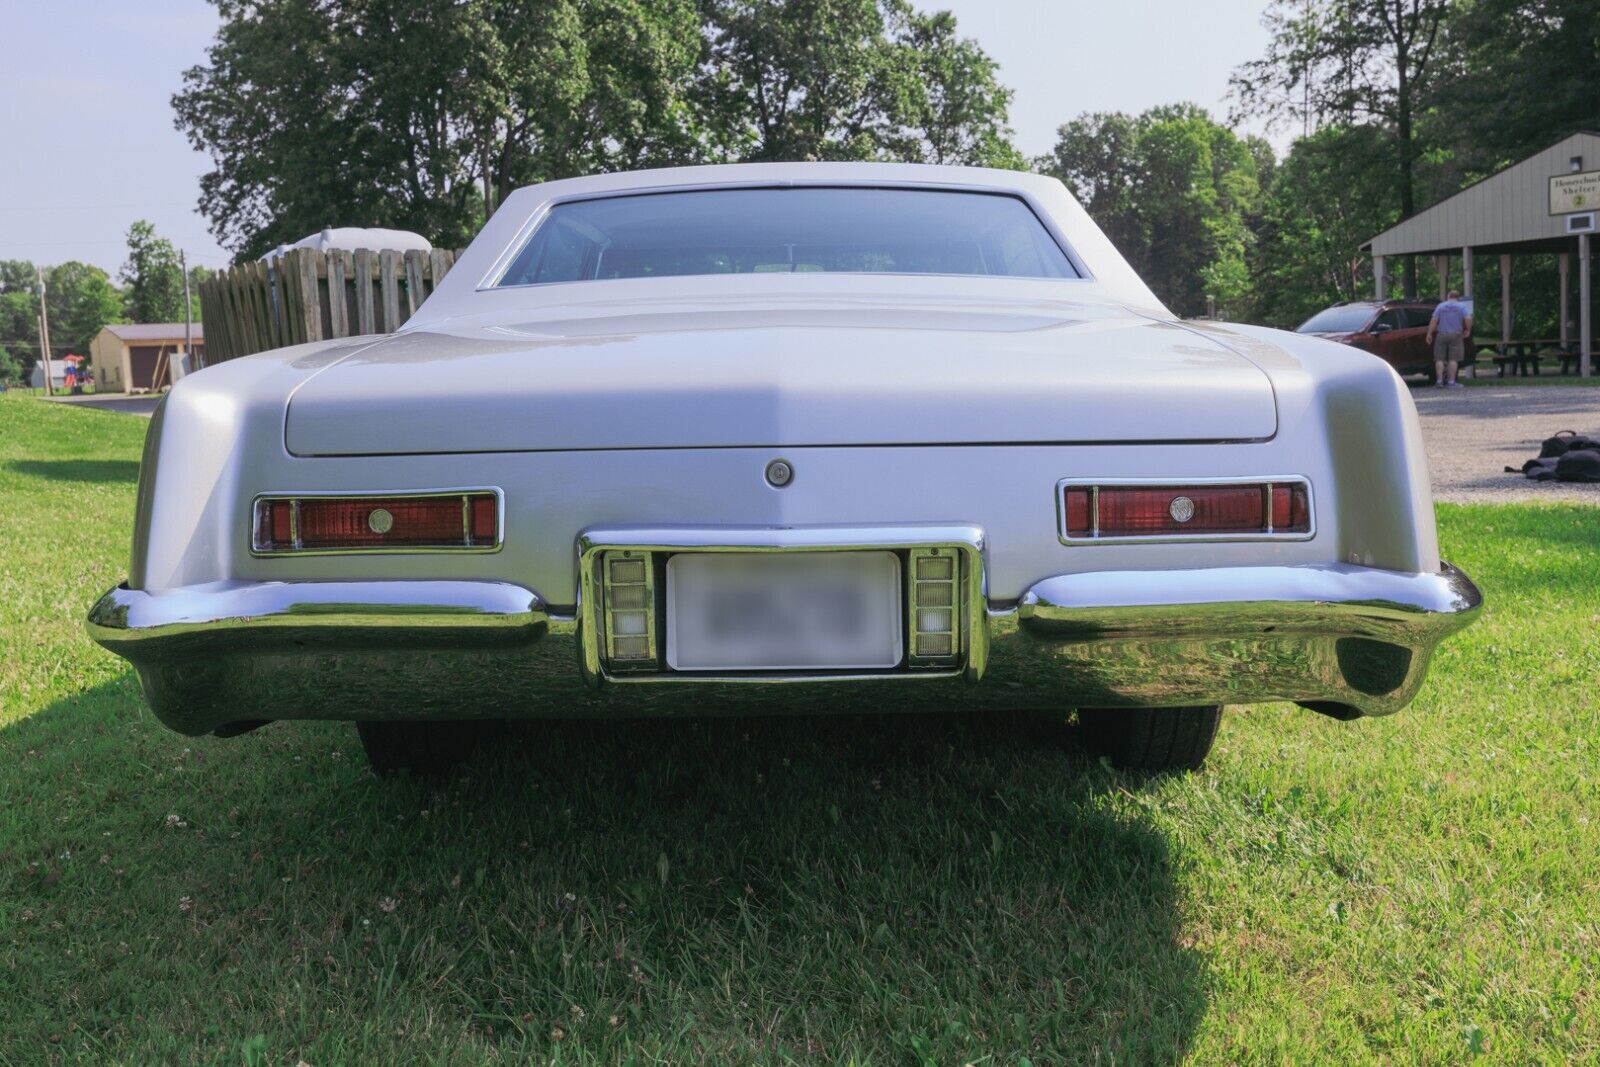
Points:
[(1447, 333)]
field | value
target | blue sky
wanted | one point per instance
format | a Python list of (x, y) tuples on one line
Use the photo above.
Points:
[(90, 145)]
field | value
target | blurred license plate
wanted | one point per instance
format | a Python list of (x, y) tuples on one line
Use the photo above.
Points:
[(784, 611)]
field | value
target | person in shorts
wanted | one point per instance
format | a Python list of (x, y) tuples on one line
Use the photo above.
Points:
[(1447, 333)]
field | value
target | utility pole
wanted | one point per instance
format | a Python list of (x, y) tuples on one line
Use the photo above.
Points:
[(44, 337), (188, 311)]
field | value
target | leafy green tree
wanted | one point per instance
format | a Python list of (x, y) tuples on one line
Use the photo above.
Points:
[(11, 372), (802, 79), (197, 274), (426, 114), (19, 310), (422, 114), (1351, 62), (949, 103), (1096, 155), (853, 80), (1175, 191), (81, 300), (1520, 75), (1332, 192), (153, 275)]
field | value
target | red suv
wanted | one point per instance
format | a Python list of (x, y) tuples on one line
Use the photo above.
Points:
[(1396, 331)]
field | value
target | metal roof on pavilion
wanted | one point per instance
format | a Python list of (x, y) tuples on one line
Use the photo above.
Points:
[(1505, 212)]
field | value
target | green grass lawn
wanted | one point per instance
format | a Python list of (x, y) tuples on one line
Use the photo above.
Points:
[(1424, 888)]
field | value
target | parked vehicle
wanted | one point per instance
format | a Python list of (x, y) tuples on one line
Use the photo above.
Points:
[(1396, 331), (826, 437)]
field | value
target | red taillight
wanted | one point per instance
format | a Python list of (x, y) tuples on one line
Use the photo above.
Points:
[(1080, 514), (321, 523), (1249, 509), (1290, 509), (485, 519)]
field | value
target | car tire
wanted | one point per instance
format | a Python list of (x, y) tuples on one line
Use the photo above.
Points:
[(1153, 740), (427, 748)]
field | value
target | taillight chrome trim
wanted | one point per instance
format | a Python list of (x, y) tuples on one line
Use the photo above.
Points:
[(1094, 485), (263, 499)]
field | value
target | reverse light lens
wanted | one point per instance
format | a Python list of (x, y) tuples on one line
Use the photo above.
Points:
[(319, 523), (936, 625), (628, 599), (1250, 509)]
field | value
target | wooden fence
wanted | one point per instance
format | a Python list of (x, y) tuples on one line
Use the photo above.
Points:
[(307, 295)]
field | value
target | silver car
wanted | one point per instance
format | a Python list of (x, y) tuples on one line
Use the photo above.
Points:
[(821, 437)]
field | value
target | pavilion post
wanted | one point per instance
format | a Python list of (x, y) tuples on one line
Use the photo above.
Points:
[(1585, 331), (1565, 261), (1380, 281), (1505, 302), (1441, 267), (1466, 273)]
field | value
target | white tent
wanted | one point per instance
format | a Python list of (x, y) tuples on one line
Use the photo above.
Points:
[(58, 375), (355, 238)]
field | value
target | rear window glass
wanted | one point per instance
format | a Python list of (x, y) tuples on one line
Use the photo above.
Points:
[(1338, 320), (810, 230)]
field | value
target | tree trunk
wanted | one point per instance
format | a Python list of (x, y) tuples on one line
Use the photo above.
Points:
[(1408, 205)]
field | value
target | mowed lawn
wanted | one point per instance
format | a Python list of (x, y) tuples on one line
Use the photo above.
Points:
[(1424, 888)]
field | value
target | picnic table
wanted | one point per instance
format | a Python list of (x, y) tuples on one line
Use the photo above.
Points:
[(1524, 356)]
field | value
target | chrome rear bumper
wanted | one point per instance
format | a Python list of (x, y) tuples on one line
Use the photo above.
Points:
[(1342, 639)]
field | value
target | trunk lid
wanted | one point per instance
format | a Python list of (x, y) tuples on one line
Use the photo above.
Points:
[(782, 375)]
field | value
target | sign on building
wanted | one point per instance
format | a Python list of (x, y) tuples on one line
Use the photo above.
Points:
[(1570, 193)]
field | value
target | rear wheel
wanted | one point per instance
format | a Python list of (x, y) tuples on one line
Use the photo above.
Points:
[(1151, 739), (424, 748)]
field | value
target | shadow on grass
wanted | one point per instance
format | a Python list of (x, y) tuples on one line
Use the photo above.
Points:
[(78, 470), (909, 888)]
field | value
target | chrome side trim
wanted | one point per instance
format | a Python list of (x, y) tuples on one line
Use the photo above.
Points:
[(336, 494), (1096, 484)]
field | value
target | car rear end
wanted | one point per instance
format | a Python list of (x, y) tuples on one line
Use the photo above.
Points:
[(945, 452)]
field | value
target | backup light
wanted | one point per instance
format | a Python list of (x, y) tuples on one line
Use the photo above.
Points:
[(628, 595), (934, 581), (468, 520), (1092, 512)]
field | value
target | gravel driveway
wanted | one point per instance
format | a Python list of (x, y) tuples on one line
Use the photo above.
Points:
[(1473, 434)]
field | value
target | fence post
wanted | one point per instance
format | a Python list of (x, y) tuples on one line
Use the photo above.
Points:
[(389, 278), (338, 317), (364, 318)]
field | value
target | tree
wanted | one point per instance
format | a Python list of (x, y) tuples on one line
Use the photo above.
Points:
[(853, 80), (802, 79), (425, 114), (950, 104), (1350, 61), (1174, 191), (81, 300), (1095, 155), (11, 370), (19, 310), (1522, 75), (1331, 192), (153, 275)]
